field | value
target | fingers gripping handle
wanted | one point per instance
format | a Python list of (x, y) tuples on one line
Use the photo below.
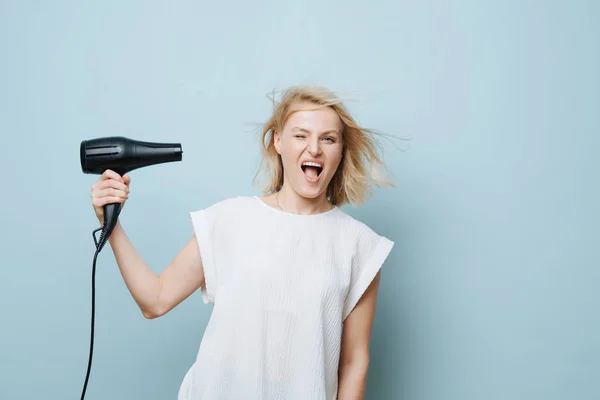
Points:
[(111, 215)]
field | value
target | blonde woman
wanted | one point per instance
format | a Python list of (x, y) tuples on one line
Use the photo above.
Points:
[(293, 279)]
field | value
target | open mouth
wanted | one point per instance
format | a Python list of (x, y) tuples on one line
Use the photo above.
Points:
[(312, 170)]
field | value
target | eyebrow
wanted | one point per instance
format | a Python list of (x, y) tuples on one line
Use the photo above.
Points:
[(297, 128)]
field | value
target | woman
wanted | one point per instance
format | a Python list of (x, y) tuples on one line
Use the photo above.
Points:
[(293, 279)]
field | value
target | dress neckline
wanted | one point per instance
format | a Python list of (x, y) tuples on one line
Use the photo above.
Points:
[(294, 215)]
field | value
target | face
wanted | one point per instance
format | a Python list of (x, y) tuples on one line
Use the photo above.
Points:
[(311, 136)]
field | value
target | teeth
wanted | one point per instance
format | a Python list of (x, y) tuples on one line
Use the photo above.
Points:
[(312, 164)]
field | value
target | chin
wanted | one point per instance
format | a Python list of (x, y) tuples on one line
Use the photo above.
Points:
[(310, 192)]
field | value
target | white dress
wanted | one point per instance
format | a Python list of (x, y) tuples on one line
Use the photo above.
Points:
[(282, 285)]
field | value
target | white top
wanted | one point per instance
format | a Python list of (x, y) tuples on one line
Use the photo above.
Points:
[(282, 285)]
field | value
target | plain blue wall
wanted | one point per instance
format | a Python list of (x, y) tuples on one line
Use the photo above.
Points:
[(492, 289)]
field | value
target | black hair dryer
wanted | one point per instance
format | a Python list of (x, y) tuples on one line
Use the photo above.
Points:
[(122, 155)]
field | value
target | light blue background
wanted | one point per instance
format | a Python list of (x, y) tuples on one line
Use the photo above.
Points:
[(492, 289)]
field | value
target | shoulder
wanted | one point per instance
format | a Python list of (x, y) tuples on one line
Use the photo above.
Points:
[(358, 233), (229, 204), (221, 217), (224, 208), (234, 202), (353, 225)]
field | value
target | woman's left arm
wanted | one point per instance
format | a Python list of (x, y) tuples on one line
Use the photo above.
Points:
[(354, 354)]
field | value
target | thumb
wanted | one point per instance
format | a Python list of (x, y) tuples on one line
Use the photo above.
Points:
[(126, 179)]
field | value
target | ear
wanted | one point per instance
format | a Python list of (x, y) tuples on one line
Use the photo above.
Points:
[(277, 141)]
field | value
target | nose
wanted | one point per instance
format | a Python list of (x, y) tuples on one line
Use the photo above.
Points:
[(314, 148)]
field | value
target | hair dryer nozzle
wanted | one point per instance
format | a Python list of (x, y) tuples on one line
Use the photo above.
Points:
[(122, 155)]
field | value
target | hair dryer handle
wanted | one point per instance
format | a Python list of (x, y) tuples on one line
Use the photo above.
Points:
[(111, 215)]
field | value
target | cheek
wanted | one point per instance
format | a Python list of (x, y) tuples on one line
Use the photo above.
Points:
[(291, 150), (335, 154), (287, 155)]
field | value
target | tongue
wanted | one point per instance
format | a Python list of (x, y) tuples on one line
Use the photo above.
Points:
[(311, 172)]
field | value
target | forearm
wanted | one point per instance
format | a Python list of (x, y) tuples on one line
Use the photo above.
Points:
[(352, 380), (142, 282)]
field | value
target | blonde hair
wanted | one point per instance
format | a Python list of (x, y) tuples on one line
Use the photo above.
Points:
[(361, 164)]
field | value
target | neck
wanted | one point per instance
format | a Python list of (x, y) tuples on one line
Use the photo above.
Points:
[(292, 202)]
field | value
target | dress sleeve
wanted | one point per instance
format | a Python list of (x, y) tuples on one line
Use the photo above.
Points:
[(371, 252), (203, 223)]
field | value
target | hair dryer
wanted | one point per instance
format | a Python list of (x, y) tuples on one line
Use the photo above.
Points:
[(121, 155)]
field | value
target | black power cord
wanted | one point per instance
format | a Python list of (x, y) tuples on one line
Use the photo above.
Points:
[(99, 245)]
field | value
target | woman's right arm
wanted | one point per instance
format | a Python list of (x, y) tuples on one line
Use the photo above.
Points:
[(154, 294)]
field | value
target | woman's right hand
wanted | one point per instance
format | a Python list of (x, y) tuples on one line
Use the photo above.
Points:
[(109, 188)]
